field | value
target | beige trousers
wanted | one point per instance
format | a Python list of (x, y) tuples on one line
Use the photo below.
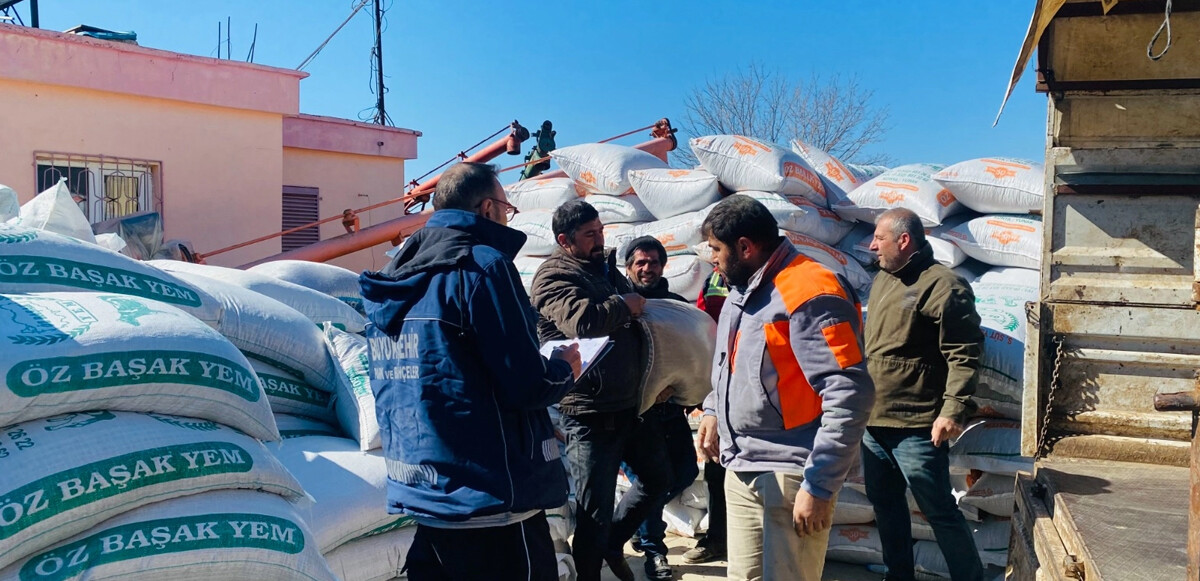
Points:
[(762, 542)]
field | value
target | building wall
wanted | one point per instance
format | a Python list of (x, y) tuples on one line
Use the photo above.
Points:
[(348, 181), (221, 167)]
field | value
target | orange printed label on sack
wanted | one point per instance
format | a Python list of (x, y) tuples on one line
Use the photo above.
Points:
[(892, 196), (588, 177), (1011, 225), (945, 198), (1005, 237), (855, 534), (747, 146), (796, 171), (834, 171), (678, 173)]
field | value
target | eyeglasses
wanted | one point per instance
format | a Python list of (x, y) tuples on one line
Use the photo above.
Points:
[(509, 209)]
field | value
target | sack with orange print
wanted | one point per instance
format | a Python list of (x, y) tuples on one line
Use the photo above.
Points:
[(624, 209), (804, 217), (671, 192), (996, 184), (908, 186), (836, 172), (541, 194), (744, 164), (603, 168), (1001, 239)]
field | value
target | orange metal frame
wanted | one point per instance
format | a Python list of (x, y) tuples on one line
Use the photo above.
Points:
[(663, 141)]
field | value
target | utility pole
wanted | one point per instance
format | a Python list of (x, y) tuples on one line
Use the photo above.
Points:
[(380, 112)]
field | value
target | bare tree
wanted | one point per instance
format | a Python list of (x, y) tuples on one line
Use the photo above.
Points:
[(834, 114)]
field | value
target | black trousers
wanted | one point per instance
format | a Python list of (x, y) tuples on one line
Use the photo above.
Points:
[(521, 551)]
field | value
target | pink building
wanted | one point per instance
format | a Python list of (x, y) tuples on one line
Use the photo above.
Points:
[(218, 147)]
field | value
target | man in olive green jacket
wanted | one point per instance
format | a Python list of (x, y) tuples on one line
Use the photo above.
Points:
[(923, 345)]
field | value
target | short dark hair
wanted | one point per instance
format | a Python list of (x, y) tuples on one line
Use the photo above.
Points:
[(569, 217), (740, 216), (904, 221), (464, 186), (645, 244)]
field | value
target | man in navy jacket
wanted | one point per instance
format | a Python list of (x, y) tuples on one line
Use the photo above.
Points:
[(461, 391)]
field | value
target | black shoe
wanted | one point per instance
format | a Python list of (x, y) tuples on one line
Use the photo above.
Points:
[(704, 553), (657, 568), (618, 566)]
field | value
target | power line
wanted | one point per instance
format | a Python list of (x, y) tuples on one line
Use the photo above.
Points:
[(353, 11)]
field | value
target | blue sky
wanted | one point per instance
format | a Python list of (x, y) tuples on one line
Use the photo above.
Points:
[(459, 71)]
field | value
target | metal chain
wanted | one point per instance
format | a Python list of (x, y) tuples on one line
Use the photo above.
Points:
[(1055, 382)]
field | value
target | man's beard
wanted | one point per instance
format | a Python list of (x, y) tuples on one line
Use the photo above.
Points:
[(738, 273)]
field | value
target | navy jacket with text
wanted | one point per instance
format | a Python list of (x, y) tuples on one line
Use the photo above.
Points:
[(460, 389)]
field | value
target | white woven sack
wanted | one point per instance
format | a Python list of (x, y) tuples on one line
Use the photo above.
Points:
[(858, 544), (289, 394), (991, 540), (996, 185), (1000, 297), (681, 339), (852, 507), (377, 558), (686, 275), (527, 267), (866, 173), (993, 493), (990, 446), (65, 474), (908, 186), (74, 352), (34, 261), (829, 166), (55, 210), (268, 330), (671, 192), (317, 306), (225, 534), (1001, 239), (801, 216), (335, 281), (541, 194), (852, 245), (348, 489), (603, 168), (745, 164), (299, 426), (355, 402), (9, 207), (677, 234), (834, 260), (539, 233), (682, 520), (624, 209), (618, 235)]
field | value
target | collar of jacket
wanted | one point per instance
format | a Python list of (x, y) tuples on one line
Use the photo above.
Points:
[(507, 240), (781, 257), (917, 263)]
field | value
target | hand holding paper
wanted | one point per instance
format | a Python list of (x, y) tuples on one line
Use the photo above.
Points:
[(590, 351)]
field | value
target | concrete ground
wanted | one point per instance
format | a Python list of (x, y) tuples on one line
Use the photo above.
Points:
[(712, 571)]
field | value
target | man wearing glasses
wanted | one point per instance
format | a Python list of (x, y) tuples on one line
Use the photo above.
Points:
[(461, 391)]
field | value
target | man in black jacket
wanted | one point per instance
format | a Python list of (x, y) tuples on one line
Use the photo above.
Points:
[(580, 293), (645, 259)]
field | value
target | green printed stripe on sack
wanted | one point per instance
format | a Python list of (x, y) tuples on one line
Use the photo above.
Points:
[(70, 489), (164, 536), (65, 374), (287, 388), (20, 268)]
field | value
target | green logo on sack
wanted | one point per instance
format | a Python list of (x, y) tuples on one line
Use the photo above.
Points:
[(18, 268), (65, 374), (129, 310), (45, 321), (70, 489), (164, 536), (18, 238), (187, 423), (78, 420), (286, 388)]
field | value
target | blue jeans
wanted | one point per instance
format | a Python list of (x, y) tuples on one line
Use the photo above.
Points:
[(596, 445), (899, 458), (681, 454)]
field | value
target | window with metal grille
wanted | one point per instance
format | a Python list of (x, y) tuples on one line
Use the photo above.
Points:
[(104, 186), (301, 206)]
